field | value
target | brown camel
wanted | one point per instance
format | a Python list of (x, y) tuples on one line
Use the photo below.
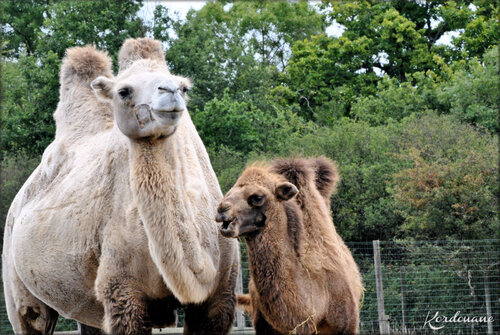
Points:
[(115, 227), (303, 277)]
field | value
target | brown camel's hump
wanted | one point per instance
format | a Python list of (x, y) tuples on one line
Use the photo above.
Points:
[(140, 48), (327, 176), (84, 63), (300, 171), (297, 171)]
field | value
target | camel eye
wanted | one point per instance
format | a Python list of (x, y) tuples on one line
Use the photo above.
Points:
[(256, 200), (185, 89), (124, 92)]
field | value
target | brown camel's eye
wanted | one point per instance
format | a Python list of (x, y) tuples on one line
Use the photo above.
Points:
[(124, 92), (256, 200)]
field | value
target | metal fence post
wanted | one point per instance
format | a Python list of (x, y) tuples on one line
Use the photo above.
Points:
[(487, 297), (403, 299), (382, 318), (240, 318)]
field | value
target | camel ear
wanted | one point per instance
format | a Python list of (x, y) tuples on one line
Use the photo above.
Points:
[(103, 87), (286, 191)]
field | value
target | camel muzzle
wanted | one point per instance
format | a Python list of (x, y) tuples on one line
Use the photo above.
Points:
[(230, 228)]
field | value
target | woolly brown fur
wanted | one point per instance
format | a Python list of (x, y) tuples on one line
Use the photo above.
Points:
[(303, 277)]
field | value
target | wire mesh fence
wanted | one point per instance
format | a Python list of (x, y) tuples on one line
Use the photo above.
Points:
[(438, 287)]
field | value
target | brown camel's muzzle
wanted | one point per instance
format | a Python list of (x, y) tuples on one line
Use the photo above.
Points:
[(230, 228), (241, 225)]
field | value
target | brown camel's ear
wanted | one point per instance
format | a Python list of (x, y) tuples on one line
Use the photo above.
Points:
[(103, 87), (286, 191)]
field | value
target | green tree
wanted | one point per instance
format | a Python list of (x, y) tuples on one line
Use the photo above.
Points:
[(391, 102), (241, 46), (29, 98), (325, 74), (481, 30), (105, 24), (394, 38), (243, 127), (473, 92), (469, 91), (21, 24)]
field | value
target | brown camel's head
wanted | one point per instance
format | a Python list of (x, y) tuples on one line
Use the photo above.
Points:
[(247, 206), (148, 101)]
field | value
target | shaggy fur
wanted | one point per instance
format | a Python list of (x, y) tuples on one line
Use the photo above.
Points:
[(78, 112), (303, 277), (118, 232), (299, 171), (85, 64), (141, 48), (327, 177)]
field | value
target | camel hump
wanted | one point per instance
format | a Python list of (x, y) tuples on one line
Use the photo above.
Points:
[(327, 176), (297, 171), (84, 63), (140, 48)]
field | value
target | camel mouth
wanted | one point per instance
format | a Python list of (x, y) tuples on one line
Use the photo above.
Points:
[(228, 228), (169, 113), (225, 224), (236, 227), (169, 116)]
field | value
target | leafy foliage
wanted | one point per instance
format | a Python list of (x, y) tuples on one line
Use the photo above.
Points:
[(244, 127), (452, 188), (240, 47), (473, 92), (411, 122)]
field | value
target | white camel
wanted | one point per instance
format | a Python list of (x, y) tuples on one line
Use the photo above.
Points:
[(115, 228)]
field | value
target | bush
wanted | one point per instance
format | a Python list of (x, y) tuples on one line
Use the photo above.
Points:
[(245, 126), (451, 189)]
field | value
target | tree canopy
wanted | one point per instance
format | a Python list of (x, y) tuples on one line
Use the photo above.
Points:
[(412, 122)]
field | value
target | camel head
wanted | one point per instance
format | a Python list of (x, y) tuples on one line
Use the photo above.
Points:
[(148, 101), (257, 196)]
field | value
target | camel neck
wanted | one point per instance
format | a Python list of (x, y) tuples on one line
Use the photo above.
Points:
[(168, 217), (266, 256), (277, 252)]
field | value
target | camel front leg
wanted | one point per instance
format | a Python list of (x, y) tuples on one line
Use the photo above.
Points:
[(215, 317), (262, 327), (125, 308)]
